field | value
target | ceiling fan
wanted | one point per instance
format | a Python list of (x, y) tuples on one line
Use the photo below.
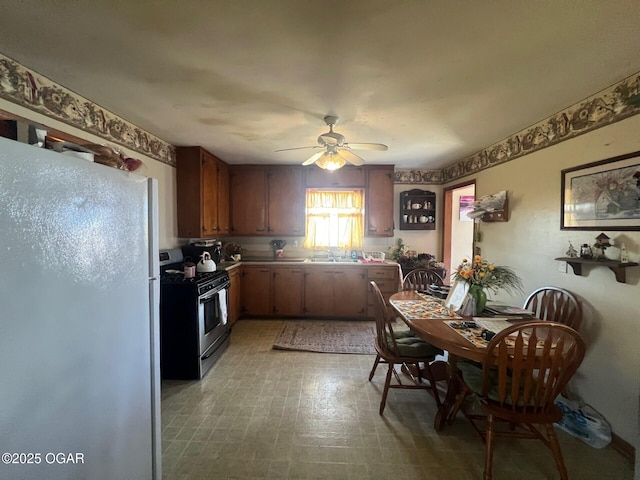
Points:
[(335, 151)]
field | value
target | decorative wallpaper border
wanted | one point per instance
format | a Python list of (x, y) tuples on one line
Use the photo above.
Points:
[(615, 103), (28, 89)]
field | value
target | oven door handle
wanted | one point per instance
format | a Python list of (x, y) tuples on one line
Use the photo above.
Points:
[(208, 295), (212, 292)]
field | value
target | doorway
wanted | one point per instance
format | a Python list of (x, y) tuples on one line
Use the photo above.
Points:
[(458, 228)]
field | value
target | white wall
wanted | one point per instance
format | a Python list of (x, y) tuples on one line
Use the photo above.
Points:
[(166, 175), (608, 378)]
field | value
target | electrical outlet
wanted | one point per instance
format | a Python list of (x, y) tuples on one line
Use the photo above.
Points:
[(562, 267)]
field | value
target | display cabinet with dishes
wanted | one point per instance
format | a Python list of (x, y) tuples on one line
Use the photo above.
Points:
[(417, 210)]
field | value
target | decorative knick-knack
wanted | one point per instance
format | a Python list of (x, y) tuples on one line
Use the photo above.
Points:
[(571, 252), (585, 251), (624, 255)]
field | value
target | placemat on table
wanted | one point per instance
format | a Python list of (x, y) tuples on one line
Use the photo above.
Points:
[(426, 307), (474, 334)]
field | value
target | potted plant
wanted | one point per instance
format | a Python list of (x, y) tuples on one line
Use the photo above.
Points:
[(401, 254)]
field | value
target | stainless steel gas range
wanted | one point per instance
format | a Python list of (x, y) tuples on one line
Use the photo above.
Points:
[(194, 327)]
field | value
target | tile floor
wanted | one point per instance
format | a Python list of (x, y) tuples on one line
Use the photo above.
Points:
[(267, 414)]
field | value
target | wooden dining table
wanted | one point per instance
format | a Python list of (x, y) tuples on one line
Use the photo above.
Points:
[(436, 331)]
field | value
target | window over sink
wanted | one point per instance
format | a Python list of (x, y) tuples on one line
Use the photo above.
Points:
[(334, 219)]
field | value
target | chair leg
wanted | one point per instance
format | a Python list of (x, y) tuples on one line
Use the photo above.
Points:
[(488, 458), (387, 382), (557, 453), (375, 365)]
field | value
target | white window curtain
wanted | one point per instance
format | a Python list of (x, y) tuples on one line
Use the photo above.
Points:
[(334, 219)]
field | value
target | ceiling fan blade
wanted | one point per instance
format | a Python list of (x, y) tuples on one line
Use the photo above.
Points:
[(350, 157), (328, 139), (367, 146), (313, 158), (297, 148)]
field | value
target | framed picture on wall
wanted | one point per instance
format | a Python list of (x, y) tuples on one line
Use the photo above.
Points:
[(466, 205), (603, 195)]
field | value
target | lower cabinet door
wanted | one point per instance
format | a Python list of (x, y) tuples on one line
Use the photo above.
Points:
[(234, 295), (287, 284), (256, 291), (318, 291), (350, 294)]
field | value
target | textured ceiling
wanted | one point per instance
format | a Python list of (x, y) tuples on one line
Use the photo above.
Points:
[(435, 81)]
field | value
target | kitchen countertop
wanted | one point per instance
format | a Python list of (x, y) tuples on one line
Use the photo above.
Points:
[(298, 262)]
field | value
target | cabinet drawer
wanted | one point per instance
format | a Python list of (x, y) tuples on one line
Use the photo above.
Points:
[(387, 287), (379, 273)]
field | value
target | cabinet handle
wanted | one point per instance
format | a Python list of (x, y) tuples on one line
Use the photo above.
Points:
[(259, 229)]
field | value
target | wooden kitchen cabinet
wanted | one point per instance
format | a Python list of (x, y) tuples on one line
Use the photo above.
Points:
[(234, 295), (285, 201), (379, 202), (202, 194), (349, 292), (332, 291), (256, 290), (388, 280), (318, 291), (287, 289), (224, 224), (267, 201), (248, 199), (316, 177)]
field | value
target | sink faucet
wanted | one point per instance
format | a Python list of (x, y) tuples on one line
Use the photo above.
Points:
[(331, 255)]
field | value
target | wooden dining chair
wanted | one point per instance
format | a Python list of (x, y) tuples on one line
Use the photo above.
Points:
[(401, 347), (526, 367), (420, 279), (556, 305)]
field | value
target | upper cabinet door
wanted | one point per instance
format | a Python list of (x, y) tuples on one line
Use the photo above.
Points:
[(379, 202), (248, 200), (200, 202), (286, 201), (209, 197), (223, 199)]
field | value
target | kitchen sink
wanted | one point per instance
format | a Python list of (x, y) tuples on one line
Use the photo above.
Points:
[(331, 260)]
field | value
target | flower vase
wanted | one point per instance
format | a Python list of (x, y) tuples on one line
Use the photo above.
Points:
[(480, 297)]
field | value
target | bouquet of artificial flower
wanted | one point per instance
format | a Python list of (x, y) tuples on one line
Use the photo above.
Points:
[(487, 275)]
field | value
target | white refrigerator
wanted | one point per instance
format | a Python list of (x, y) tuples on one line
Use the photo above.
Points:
[(79, 329)]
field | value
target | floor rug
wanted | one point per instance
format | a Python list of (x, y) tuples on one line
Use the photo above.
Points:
[(328, 336)]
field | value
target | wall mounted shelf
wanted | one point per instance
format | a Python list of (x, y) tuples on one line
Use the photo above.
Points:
[(417, 210), (618, 268), (497, 215)]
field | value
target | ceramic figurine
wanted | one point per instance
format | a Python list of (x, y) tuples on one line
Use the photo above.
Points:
[(624, 255), (571, 252)]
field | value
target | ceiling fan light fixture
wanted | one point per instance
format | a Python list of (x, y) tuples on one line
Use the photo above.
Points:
[(331, 161)]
